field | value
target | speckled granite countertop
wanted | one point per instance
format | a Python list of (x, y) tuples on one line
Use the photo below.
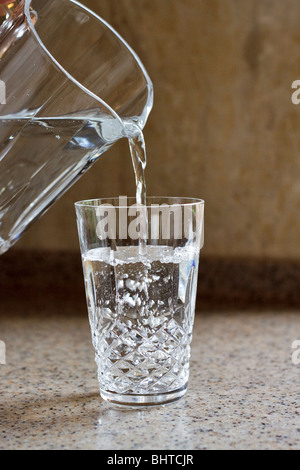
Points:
[(243, 392)]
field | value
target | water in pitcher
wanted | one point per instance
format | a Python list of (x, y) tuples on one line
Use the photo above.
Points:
[(35, 151)]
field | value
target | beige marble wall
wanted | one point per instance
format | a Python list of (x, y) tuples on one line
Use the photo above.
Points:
[(223, 125)]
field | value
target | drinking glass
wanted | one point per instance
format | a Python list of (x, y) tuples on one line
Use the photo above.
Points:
[(140, 267)]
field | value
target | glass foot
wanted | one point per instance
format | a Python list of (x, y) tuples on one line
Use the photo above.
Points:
[(143, 400)]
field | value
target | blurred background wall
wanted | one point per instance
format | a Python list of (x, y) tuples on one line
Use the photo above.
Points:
[(223, 126)]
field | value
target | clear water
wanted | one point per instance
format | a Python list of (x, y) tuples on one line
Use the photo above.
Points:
[(141, 311), (41, 158), (139, 161)]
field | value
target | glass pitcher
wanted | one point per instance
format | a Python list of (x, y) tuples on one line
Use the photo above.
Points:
[(70, 87)]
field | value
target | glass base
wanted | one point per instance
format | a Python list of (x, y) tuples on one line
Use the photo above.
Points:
[(146, 400)]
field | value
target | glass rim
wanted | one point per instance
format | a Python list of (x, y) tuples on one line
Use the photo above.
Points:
[(69, 75), (178, 201)]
